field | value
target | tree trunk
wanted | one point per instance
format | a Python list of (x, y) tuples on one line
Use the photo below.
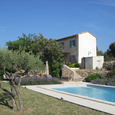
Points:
[(19, 97), (13, 98)]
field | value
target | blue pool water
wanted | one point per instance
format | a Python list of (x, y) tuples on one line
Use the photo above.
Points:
[(97, 92)]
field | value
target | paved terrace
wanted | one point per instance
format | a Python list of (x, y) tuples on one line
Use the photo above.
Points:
[(104, 106)]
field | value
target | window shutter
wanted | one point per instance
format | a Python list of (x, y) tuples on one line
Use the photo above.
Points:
[(70, 44), (75, 43), (75, 58), (63, 45)]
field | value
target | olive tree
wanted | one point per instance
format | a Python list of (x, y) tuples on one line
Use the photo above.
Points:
[(16, 64)]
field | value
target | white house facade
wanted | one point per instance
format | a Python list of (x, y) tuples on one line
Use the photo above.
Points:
[(86, 45), (77, 46)]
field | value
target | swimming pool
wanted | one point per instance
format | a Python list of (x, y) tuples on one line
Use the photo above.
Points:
[(97, 92)]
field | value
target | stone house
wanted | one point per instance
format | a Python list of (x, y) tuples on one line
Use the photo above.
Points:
[(78, 46)]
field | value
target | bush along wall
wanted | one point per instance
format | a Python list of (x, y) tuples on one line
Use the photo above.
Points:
[(74, 65), (37, 81), (109, 79), (92, 77)]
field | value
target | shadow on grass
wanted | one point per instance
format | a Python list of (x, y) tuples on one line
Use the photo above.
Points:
[(4, 98)]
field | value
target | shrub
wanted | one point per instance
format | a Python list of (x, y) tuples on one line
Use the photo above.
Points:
[(109, 79), (112, 72), (102, 81), (92, 77), (37, 81), (55, 69), (74, 65)]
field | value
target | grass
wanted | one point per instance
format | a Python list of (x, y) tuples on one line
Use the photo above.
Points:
[(38, 104)]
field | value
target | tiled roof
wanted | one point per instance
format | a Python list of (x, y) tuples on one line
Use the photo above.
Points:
[(75, 35)]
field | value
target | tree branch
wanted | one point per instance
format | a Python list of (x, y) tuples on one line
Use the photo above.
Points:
[(6, 91)]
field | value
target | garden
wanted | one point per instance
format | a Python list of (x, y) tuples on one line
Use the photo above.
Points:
[(108, 79), (38, 104), (28, 55), (23, 63)]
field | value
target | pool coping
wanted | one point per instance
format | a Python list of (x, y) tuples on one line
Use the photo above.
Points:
[(96, 104)]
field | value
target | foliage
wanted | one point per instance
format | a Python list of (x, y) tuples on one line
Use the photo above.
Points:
[(112, 48), (22, 43), (21, 62), (99, 52), (92, 77), (38, 44), (32, 42), (108, 56), (109, 79), (102, 81), (110, 53), (49, 50), (110, 74), (55, 68), (74, 65), (54, 56), (105, 81), (37, 81)]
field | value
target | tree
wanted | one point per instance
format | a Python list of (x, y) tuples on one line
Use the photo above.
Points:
[(15, 64), (32, 42), (38, 43), (110, 53), (22, 43), (112, 49), (99, 52), (49, 50), (54, 56), (108, 56)]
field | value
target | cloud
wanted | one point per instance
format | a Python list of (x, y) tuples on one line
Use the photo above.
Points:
[(103, 2)]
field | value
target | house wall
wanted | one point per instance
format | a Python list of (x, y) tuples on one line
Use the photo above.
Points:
[(95, 62), (98, 62), (86, 46), (67, 49)]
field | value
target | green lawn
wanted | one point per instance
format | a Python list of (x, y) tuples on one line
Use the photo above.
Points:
[(38, 104)]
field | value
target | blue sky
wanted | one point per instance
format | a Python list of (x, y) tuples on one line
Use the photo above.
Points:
[(58, 18)]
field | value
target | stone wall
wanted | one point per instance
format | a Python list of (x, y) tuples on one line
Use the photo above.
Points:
[(109, 65), (84, 73), (69, 73), (73, 74)]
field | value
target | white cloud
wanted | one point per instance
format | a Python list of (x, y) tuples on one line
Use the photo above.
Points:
[(103, 2)]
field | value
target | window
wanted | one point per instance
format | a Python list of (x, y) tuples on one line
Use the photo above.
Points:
[(72, 43), (62, 45), (72, 58)]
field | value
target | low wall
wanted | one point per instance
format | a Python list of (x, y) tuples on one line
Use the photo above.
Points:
[(85, 73), (74, 74), (70, 73)]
